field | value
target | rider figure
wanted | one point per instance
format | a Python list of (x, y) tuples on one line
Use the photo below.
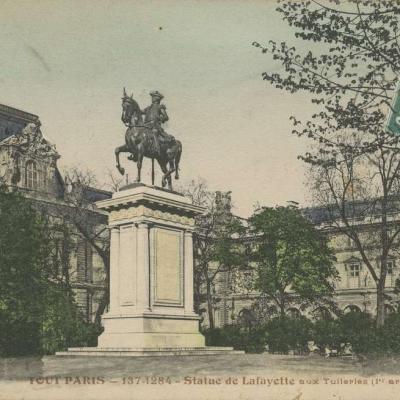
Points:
[(154, 116)]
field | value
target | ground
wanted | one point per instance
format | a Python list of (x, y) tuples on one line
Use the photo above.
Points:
[(248, 376)]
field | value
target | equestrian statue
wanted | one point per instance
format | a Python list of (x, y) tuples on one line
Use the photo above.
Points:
[(147, 138)]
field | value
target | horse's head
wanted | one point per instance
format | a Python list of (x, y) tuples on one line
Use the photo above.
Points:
[(131, 114)]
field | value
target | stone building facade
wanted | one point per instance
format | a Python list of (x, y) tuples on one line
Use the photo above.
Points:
[(28, 162), (354, 290)]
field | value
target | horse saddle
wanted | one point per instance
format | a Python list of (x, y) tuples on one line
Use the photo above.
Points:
[(161, 137)]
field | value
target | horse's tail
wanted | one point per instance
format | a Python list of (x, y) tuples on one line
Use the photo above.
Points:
[(178, 158)]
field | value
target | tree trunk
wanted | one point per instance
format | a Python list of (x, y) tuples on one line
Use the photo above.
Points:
[(380, 288), (282, 305), (380, 304), (196, 297), (102, 307), (210, 306), (105, 299), (282, 309)]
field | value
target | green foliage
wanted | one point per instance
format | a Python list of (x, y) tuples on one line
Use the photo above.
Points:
[(389, 335), (279, 334), (349, 64), (252, 341), (23, 271), (284, 334), (293, 258), (63, 326), (327, 333), (37, 315), (358, 329)]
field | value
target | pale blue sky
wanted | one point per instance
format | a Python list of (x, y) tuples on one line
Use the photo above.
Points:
[(67, 61)]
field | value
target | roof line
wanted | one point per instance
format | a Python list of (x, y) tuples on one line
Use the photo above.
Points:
[(15, 112)]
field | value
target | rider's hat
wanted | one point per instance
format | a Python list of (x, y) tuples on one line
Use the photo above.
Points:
[(157, 94)]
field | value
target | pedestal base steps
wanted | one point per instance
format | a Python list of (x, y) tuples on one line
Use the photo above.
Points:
[(151, 330), (147, 352)]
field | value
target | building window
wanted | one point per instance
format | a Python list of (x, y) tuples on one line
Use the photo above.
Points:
[(351, 309), (389, 267), (350, 243), (321, 313), (31, 175), (293, 313), (89, 305), (389, 309), (83, 298), (42, 178), (354, 270), (84, 262), (390, 278), (354, 275)]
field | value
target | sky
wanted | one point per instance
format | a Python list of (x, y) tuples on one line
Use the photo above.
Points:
[(67, 61)]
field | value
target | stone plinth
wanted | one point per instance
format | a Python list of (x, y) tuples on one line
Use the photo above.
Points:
[(151, 276), (149, 352)]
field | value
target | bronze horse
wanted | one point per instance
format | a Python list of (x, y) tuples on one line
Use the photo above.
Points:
[(139, 141)]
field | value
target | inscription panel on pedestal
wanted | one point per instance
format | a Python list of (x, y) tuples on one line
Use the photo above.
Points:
[(167, 266)]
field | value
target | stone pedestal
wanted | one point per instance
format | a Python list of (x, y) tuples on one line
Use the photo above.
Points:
[(151, 276)]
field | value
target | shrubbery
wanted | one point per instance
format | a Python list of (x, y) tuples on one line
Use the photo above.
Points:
[(279, 335), (390, 334), (23, 266), (63, 325), (251, 341), (355, 330), (37, 316), (327, 334), (358, 329), (283, 334)]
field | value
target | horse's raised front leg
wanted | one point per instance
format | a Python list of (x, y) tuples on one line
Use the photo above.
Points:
[(167, 173), (163, 166), (171, 170), (120, 149), (177, 158)]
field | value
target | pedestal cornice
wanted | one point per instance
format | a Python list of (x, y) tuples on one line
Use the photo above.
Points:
[(151, 198)]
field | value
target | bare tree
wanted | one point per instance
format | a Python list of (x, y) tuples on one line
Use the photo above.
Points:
[(114, 181), (89, 222), (349, 66), (359, 192), (217, 245)]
